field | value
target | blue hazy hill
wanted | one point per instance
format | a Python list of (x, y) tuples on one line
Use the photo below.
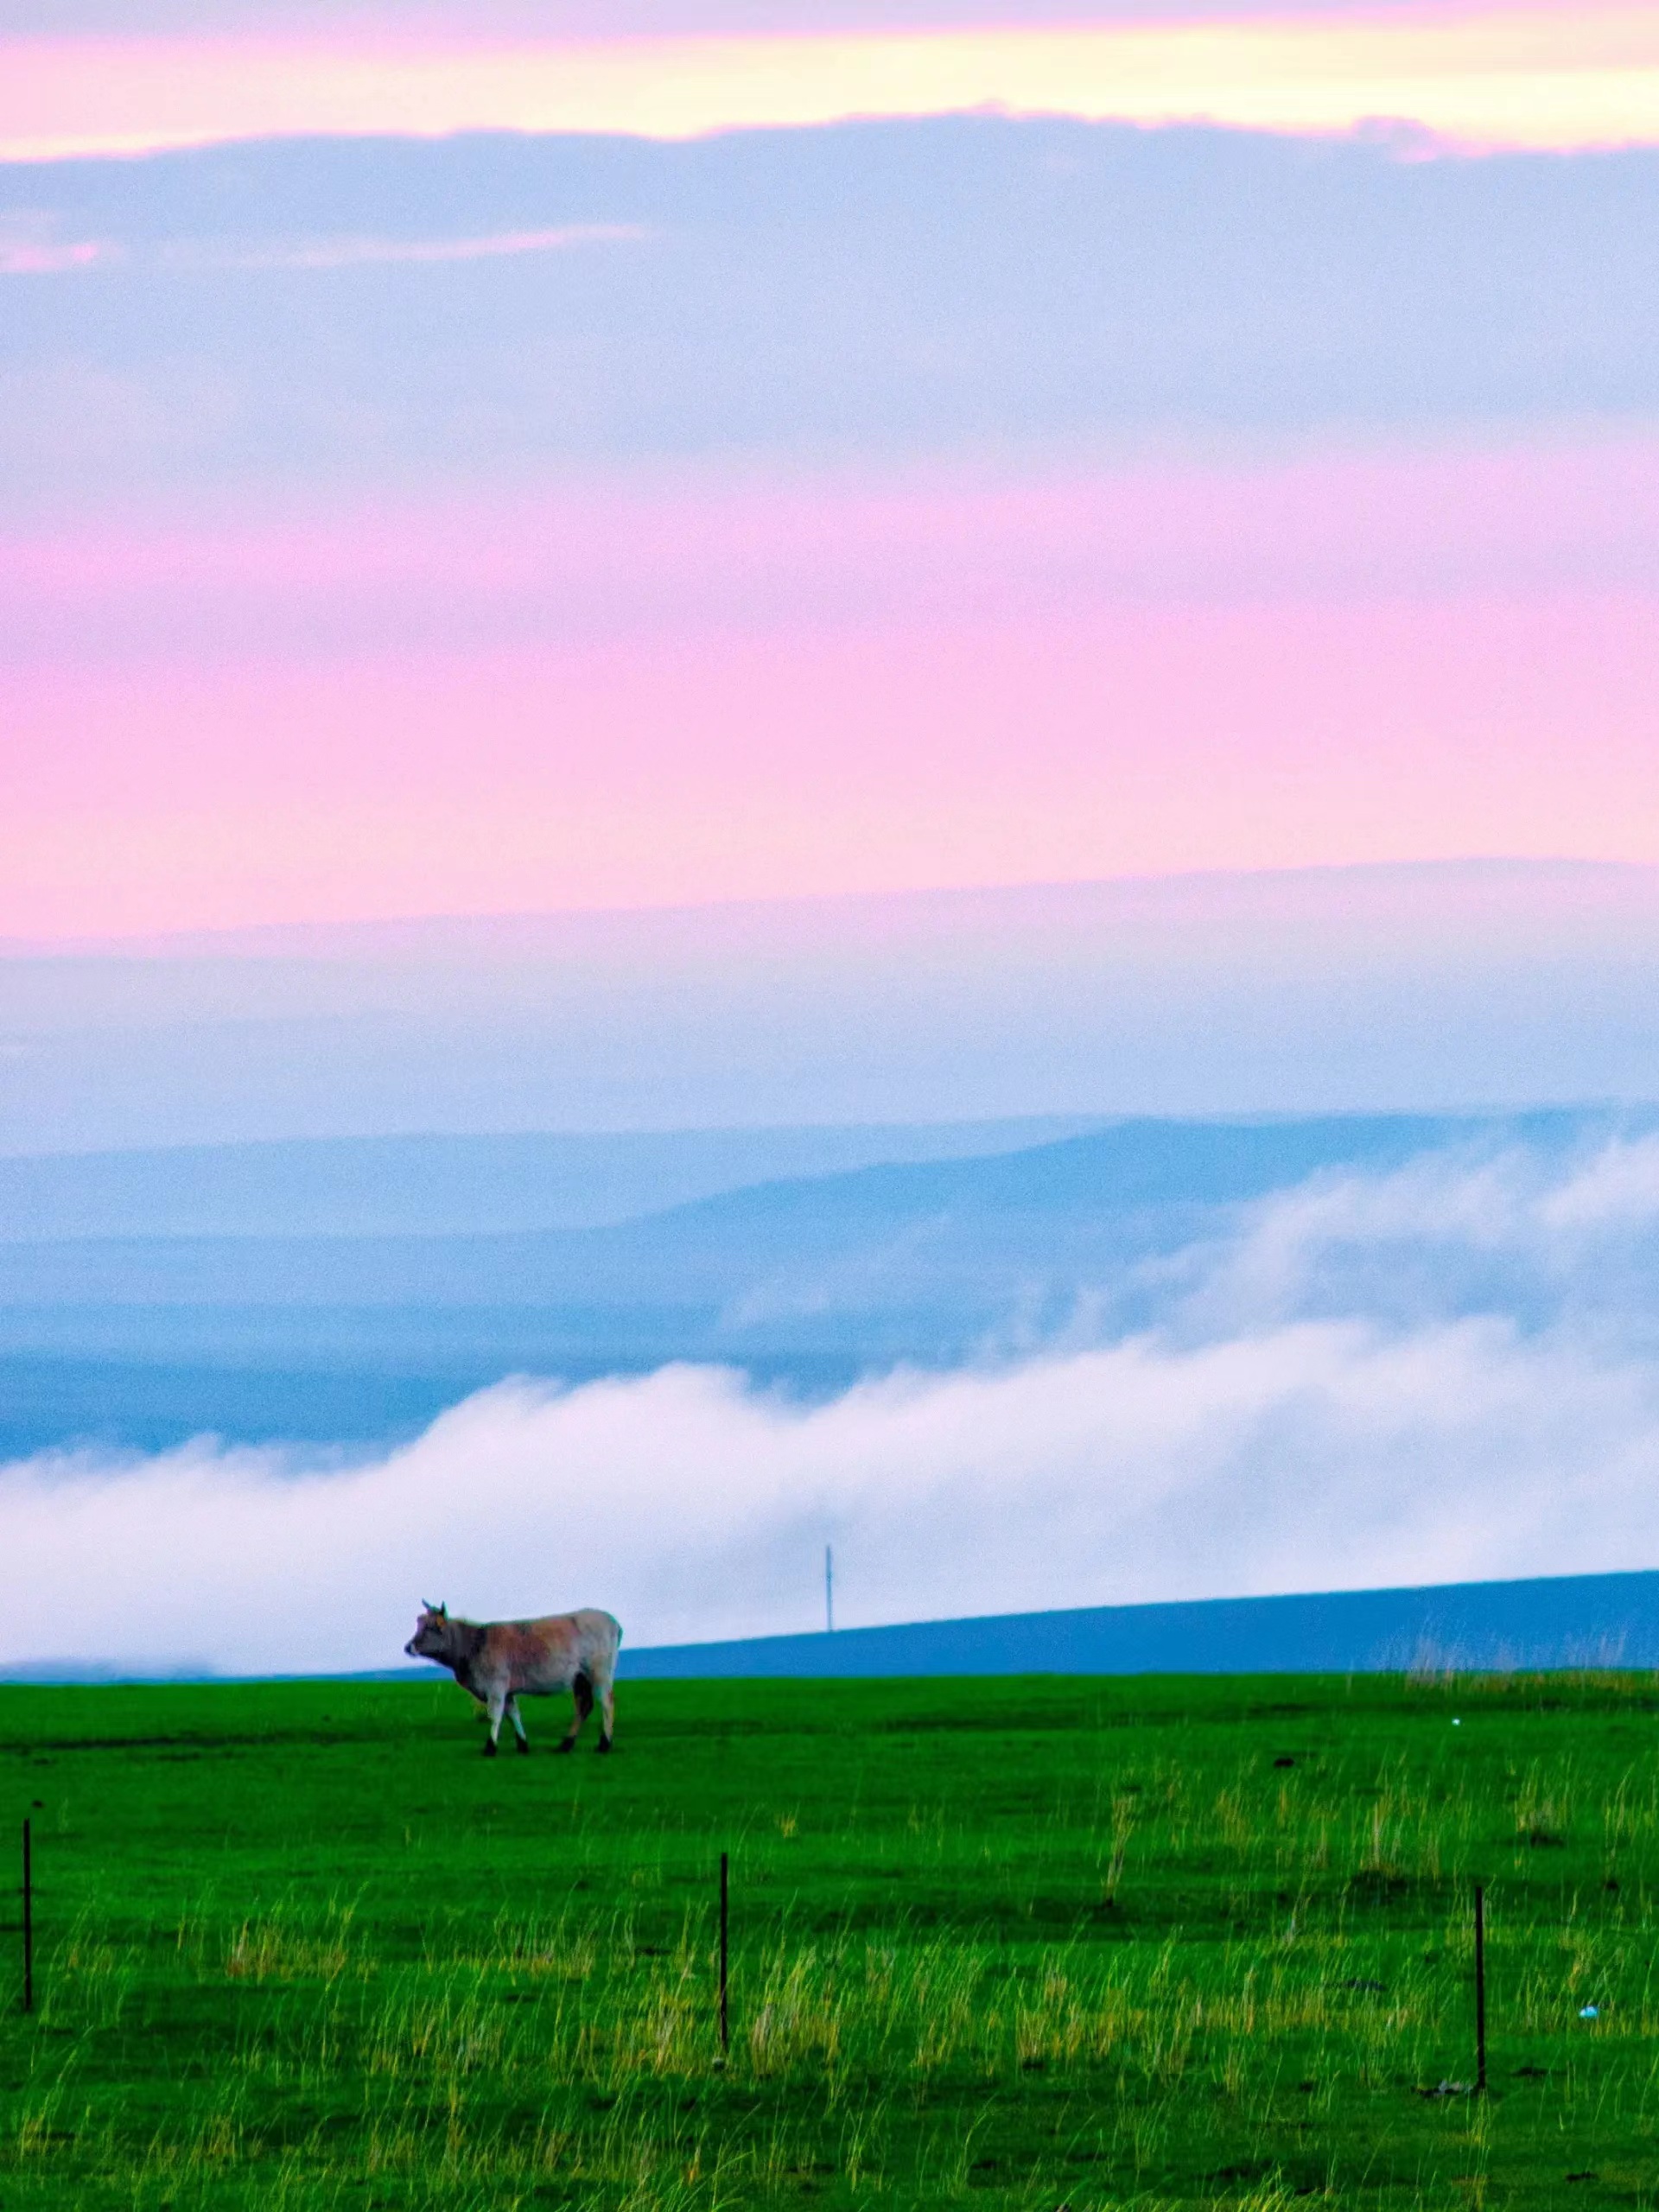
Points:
[(929, 1230), (806, 1282), (441, 1185)]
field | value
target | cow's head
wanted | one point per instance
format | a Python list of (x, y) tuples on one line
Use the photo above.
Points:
[(431, 1636)]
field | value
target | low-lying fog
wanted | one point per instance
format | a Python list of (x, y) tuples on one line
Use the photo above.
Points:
[(1440, 1372)]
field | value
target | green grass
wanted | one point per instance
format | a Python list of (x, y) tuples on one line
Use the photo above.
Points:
[(1141, 1944)]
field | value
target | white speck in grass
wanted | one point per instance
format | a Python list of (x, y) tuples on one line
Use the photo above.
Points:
[(1589, 2011), (1456, 1722)]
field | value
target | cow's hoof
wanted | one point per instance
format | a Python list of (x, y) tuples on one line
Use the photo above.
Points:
[(568, 1744), (523, 1747), (604, 1744), (489, 1747)]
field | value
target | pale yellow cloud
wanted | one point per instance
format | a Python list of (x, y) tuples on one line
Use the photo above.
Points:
[(1496, 77)]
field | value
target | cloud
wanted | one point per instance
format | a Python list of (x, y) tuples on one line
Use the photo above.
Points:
[(1309, 1410), (27, 260), (358, 253), (28, 249), (1550, 1241), (23, 254), (1314, 1456)]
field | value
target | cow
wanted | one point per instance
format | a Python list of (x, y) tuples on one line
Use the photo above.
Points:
[(500, 1662)]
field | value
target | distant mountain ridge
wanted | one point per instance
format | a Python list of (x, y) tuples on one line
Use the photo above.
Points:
[(440, 1185), (808, 1281), (1131, 1186)]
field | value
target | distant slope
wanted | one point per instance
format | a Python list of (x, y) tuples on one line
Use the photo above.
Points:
[(452, 1185), (948, 1236), (810, 1281), (1574, 1620)]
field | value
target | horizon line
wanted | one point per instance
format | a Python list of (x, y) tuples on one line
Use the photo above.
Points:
[(160, 943), (1098, 1122)]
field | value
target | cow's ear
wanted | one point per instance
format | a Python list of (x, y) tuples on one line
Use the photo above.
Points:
[(443, 1612)]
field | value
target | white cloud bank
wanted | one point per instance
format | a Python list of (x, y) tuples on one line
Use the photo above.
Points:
[(1316, 1455), (1255, 1441)]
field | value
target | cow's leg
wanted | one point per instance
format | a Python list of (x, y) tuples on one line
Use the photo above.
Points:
[(581, 1691), (606, 1711), (498, 1706), (518, 1721)]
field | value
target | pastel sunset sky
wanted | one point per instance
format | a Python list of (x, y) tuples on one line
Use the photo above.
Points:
[(500, 459), (700, 579)]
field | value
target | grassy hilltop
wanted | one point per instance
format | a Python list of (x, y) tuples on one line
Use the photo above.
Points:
[(1056, 1943)]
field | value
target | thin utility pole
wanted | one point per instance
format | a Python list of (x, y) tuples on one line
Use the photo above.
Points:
[(829, 1590)]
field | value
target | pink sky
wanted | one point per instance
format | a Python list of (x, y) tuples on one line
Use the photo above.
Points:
[(667, 687), (1478, 75), (699, 692)]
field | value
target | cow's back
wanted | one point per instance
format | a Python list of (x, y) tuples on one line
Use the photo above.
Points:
[(550, 1653)]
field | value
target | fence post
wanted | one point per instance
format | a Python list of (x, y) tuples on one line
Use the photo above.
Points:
[(1480, 1991), (29, 1921), (725, 1915)]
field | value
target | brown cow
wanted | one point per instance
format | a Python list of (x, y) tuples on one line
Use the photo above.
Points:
[(501, 1661)]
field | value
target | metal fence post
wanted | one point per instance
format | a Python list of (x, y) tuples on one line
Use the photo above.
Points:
[(1480, 1991), (725, 1923), (29, 1921)]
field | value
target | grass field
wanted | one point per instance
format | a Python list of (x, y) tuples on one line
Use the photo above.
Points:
[(1042, 1943)]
